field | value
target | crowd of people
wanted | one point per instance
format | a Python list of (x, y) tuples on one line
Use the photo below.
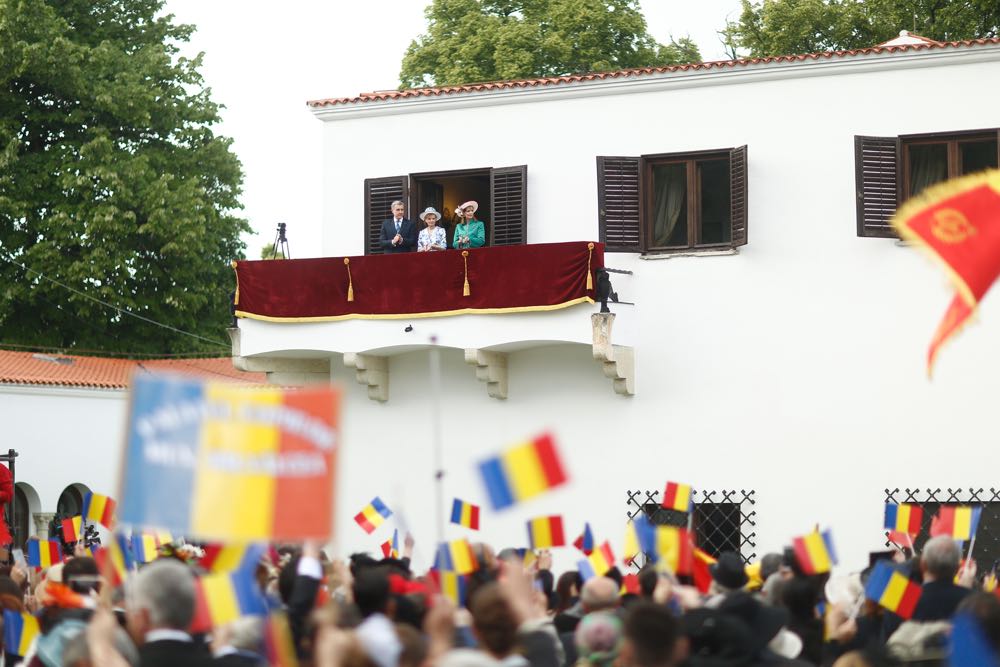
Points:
[(368, 612), (400, 234)]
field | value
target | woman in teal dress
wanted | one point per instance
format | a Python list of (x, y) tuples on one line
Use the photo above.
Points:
[(470, 233)]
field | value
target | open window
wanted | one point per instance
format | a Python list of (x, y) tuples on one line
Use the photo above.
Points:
[(673, 202), (500, 192), (890, 170)]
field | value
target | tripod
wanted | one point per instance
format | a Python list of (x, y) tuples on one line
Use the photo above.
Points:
[(281, 243)]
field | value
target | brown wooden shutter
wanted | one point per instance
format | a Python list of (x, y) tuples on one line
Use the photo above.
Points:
[(379, 195), (876, 171), (509, 205), (618, 200), (738, 195)]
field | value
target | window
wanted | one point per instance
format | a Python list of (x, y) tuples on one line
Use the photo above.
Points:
[(674, 202), (890, 170), (501, 193)]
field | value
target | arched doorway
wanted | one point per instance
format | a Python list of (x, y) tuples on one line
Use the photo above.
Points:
[(26, 506)]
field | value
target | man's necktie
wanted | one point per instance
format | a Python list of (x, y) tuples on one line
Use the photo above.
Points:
[(397, 226)]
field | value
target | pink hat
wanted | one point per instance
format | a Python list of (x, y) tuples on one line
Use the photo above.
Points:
[(473, 204)]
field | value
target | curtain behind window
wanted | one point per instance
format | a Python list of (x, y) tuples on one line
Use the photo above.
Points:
[(670, 187)]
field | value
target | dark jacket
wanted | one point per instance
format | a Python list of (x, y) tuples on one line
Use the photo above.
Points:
[(939, 600), (407, 229), (171, 653)]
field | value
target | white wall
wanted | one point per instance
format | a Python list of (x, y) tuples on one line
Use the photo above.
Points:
[(64, 436), (795, 368)]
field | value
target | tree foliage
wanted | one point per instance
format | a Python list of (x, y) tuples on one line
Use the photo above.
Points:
[(491, 40), (112, 181), (779, 27)]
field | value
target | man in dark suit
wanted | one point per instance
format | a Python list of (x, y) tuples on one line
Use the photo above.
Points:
[(940, 597), (398, 233), (160, 610)]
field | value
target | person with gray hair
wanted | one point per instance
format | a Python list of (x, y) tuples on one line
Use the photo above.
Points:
[(160, 607), (240, 643), (398, 233), (939, 563)]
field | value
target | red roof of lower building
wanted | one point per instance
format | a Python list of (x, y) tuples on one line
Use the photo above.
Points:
[(68, 370), (391, 95)]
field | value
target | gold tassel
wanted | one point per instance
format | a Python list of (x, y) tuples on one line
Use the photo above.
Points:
[(590, 253), (236, 297), (465, 260), (350, 283)]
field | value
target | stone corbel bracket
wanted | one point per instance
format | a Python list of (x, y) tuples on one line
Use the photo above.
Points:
[(491, 368), (280, 370), (618, 361), (372, 372)]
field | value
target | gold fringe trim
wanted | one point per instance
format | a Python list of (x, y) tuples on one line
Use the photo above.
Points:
[(465, 261), (350, 282), (590, 253), (236, 298), (413, 316), (935, 195)]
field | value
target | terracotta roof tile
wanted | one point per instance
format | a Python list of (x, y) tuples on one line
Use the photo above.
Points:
[(108, 373), (391, 95)]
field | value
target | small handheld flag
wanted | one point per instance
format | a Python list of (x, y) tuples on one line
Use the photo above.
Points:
[(814, 552), (465, 514), (457, 557), (674, 549), (100, 509), (639, 538), (602, 559), (144, 547), (956, 521), (892, 589), (229, 595), (585, 542), (44, 553), (372, 516), (118, 551), (19, 629), (390, 548), (701, 574), (524, 471), (677, 497), (452, 585), (904, 518), (71, 529), (545, 532)]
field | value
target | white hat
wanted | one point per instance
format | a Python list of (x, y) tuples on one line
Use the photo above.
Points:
[(429, 210)]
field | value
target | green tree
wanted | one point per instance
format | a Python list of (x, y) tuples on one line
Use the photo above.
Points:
[(780, 27), (491, 40), (112, 181)]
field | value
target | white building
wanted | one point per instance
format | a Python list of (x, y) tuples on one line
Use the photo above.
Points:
[(64, 415), (778, 342)]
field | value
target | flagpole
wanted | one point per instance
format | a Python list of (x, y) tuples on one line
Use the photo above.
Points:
[(435, 377), (968, 556)]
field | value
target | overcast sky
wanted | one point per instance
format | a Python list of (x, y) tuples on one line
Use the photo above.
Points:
[(264, 60)]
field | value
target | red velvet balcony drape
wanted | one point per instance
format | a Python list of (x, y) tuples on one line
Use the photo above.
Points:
[(544, 276)]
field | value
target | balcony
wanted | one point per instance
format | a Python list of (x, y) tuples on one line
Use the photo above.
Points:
[(298, 316)]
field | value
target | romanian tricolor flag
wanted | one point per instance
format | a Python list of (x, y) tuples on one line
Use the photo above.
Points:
[(602, 559), (523, 471), (229, 557), (903, 518), (701, 574), (44, 553), (677, 497), (956, 521), (19, 629), (457, 557), (630, 584), (892, 589), (119, 552), (71, 529), (373, 515), (958, 223), (228, 595), (222, 461), (452, 585), (814, 552), (585, 542), (674, 549), (390, 548), (545, 532), (639, 538), (99, 509), (146, 546), (279, 648), (465, 514)]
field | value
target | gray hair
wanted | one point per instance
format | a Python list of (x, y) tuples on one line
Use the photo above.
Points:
[(599, 593), (396, 203), (166, 589), (247, 633), (941, 557), (77, 650)]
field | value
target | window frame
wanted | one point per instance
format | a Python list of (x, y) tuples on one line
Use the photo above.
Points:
[(693, 198), (951, 141)]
